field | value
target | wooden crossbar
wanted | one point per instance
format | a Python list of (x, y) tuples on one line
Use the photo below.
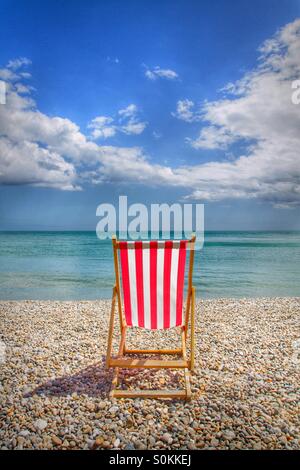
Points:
[(148, 363), (148, 394), (153, 351)]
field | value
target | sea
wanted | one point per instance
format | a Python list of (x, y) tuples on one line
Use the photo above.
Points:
[(79, 266)]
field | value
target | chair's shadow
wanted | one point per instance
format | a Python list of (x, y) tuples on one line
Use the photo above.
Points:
[(96, 380)]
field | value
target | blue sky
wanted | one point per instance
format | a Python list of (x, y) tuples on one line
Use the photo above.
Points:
[(125, 97)]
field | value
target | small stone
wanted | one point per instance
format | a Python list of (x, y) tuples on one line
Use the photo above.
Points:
[(229, 435), (129, 423), (113, 409), (87, 429), (166, 437), (191, 446), (129, 446), (98, 441), (200, 444), (40, 424), (90, 407), (140, 446), (214, 442), (90, 443), (20, 440), (117, 443), (56, 440)]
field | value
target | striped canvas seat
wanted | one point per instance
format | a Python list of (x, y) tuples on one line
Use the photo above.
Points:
[(152, 275)]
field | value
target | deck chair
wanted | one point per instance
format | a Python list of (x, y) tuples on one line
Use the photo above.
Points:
[(153, 277)]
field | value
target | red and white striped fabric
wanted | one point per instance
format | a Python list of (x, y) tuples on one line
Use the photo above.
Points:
[(153, 282)]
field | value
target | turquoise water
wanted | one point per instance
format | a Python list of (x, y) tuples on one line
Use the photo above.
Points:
[(76, 265)]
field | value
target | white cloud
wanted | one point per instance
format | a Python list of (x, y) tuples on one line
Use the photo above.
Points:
[(126, 122), (18, 63), (157, 72), (7, 74), (26, 162), (34, 148), (157, 135), (130, 122), (102, 128), (133, 127), (185, 111), (129, 111), (25, 74), (23, 89), (212, 138), (11, 71)]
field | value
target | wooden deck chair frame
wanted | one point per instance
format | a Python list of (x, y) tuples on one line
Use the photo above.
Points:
[(121, 361)]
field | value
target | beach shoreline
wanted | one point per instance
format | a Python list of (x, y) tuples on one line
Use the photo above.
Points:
[(54, 386)]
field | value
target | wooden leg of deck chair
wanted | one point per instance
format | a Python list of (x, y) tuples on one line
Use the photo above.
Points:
[(189, 291), (187, 372), (111, 327), (187, 377), (114, 382), (193, 330), (115, 379), (188, 393)]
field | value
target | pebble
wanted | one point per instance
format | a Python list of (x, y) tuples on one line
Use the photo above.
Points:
[(228, 435), (98, 441), (117, 443), (56, 440), (129, 446), (113, 409), (140, 445), (214, 442), (257, 446), (166, 437), (40, 424)]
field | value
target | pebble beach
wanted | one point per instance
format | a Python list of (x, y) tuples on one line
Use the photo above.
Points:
[(54, 388)]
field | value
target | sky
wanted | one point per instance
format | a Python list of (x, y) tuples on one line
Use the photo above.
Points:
[(169, 101)]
